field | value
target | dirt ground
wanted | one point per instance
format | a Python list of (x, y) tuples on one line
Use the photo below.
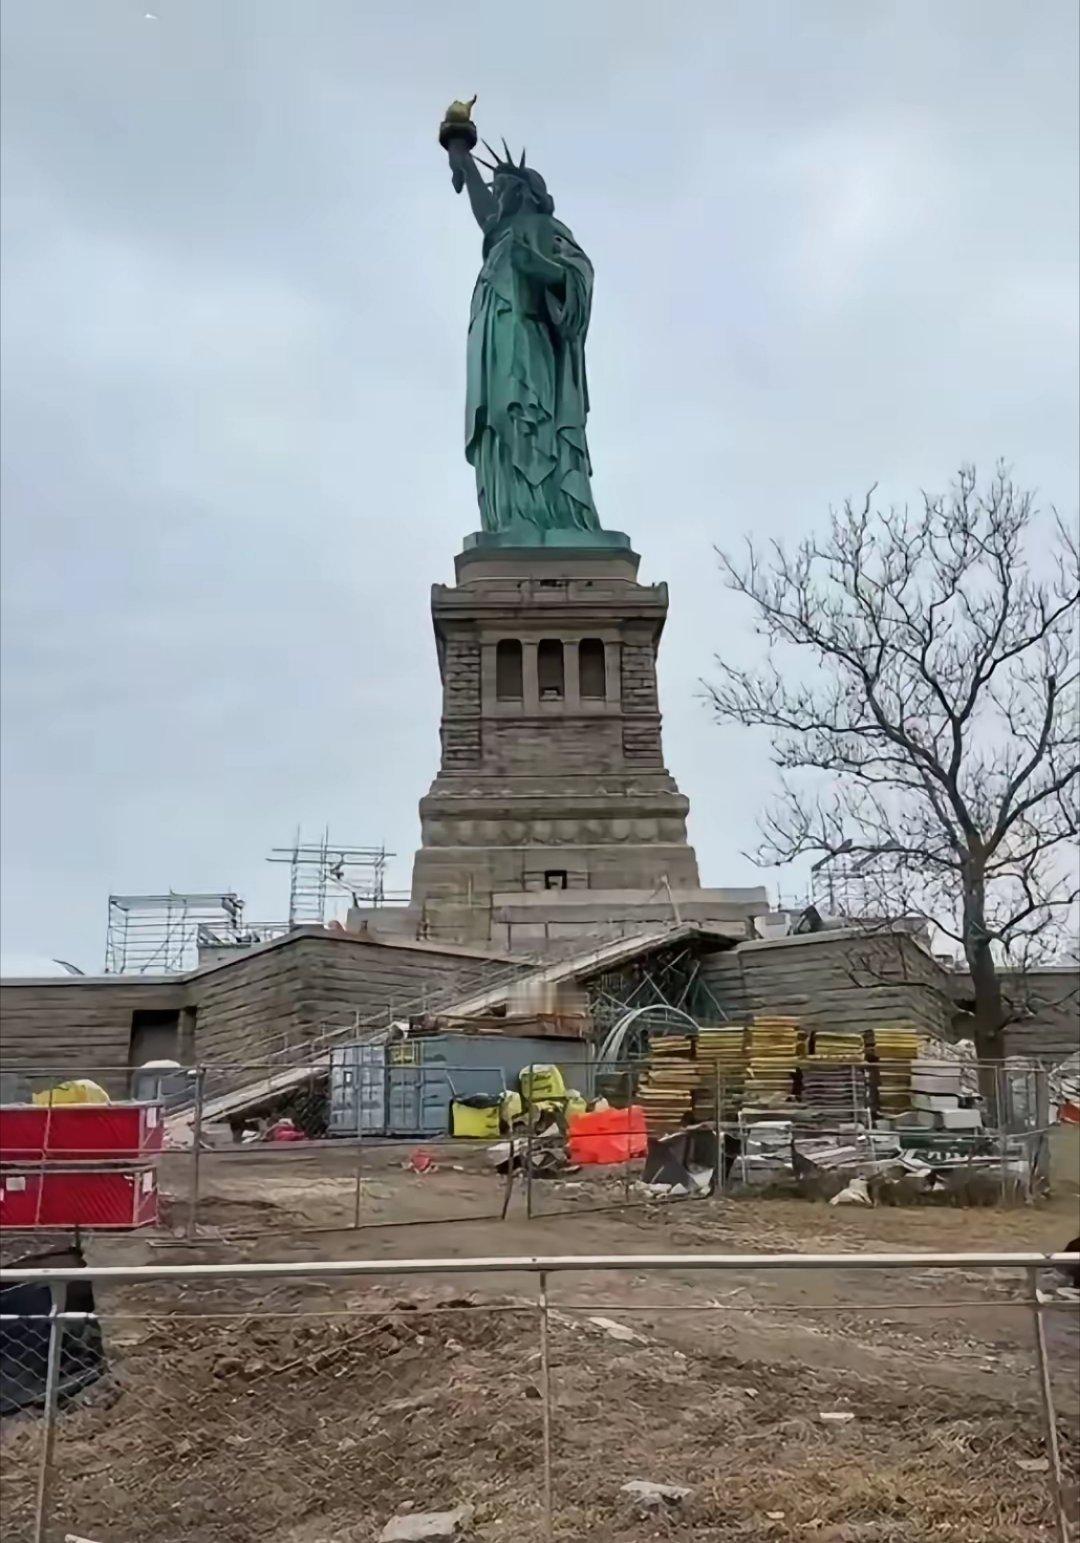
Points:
[(311, 1412)]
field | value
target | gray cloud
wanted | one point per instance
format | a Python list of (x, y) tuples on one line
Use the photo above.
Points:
[(834, 245)]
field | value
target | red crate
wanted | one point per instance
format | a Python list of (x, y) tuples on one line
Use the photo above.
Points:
[(78, 1197), (79, 1132)]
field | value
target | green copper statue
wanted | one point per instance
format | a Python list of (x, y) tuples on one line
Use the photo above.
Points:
[(527, 399)]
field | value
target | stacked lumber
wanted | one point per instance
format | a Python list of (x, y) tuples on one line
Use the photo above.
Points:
[(666, 1091), (832, 1080), (832, 1092), (771, 1046), (892, 1050), (671, 1047), (722, 1058), (830, 1046)]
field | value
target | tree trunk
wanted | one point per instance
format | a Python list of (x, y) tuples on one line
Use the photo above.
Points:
[(989, 1016)]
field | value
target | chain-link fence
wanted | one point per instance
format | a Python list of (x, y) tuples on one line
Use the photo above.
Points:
[(370, 1138), (608, 1397)]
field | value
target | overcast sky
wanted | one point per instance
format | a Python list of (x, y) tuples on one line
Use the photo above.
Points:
[(834, 244)]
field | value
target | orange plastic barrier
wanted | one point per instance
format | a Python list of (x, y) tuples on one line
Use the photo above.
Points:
[(608, 1135)]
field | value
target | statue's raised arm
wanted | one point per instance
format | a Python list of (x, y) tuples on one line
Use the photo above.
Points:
[(527, 398), (457, 135)]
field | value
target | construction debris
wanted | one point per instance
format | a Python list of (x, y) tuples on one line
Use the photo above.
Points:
[(655, 1497), (619, 1331), (427, 1526), (856, 1192)]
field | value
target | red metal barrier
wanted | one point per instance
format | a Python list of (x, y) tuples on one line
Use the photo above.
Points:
[(79, 1132), (78, 1197)]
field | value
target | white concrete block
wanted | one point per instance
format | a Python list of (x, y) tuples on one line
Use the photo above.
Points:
[(960, 1119)]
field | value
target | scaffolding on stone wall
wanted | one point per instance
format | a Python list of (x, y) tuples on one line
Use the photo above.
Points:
[(668, 978), (159, 934), (325, 875)]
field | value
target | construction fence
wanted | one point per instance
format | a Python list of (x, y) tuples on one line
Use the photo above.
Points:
[(379, 1144), (543, 1398)]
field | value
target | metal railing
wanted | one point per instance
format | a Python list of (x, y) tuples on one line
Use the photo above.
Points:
[(474, 984), (220, 1404)]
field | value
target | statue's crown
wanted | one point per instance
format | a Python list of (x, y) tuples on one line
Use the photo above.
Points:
[(507, 167)]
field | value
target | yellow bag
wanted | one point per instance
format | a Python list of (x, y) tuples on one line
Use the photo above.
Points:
[(541, 1081), (478, 1124), (79, 1090)]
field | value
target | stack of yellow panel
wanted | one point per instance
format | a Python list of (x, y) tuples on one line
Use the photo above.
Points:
[(832, 1046), (832, 1081), (722, 1060), (771, 1046), (671, 1047), (666, 1091), (892, 1048)]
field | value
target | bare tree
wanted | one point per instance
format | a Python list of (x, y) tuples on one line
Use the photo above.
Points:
[(921, 688)]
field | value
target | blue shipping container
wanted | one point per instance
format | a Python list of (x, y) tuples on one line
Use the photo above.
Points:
[(405, 1088)]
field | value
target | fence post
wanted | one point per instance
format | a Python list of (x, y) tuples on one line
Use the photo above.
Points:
[(52, 1389), (545, 1391), (508, 1187), (357, 1127), (1049, 1417), (529, 1112), (1039, 1174), (718, 1143), (629, 1096), (196, 1152)]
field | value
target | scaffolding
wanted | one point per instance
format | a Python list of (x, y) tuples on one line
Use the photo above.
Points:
[(324, 876), (858, 887), (158, 934)]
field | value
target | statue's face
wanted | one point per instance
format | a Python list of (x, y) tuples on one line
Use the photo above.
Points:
[(509, 194)]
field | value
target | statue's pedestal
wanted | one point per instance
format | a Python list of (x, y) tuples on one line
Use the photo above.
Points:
[(552, 797), (529, 539)]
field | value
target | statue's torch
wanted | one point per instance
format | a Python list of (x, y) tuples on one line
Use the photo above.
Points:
[(457, 129)]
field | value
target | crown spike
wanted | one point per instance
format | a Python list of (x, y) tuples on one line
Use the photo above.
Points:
[(509, 154), (521, 163), (493, 153)]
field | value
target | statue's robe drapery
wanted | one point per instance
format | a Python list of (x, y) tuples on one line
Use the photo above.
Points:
[(527, 398)]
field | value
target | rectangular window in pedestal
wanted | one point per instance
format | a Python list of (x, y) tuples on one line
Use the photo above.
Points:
[(508, 672), (549, 670), (592, 673)]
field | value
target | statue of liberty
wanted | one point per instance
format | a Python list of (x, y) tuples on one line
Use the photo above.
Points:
[(526, 398)]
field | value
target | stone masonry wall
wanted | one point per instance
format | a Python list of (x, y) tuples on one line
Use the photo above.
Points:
[(551, 746), (461, 705), (639, 678), (567, 779), (641, 723)]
